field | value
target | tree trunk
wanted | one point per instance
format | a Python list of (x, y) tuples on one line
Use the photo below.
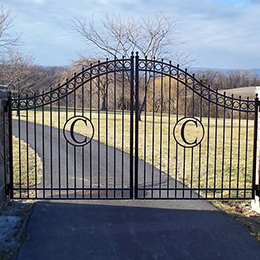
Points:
[(104, 102)]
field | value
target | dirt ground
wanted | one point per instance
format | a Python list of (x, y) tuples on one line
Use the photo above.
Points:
[(241, 210)]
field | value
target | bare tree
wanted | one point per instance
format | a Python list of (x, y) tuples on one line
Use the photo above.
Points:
[(6, 22), (218, 79), (117, 36), (16, 72)]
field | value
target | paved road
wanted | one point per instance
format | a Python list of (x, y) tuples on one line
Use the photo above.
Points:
[(132, 229)]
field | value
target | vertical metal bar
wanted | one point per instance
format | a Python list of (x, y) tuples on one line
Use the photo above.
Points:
[(216, 143), (75, 148), (131, 128), (192, 151), (82, 148), (43, 151), (177, 118), (51, 162), (153, 123), (98, 128), (185, 95), (27, 148), (255, 148), (207, 167), (35, 154), (90, 117), (246, 151), (82, 92), (239, 136), (20, 157), (231, 147), (136, 121), (169, 129), (184, 148), (67, 145), (107, 127), (200, 113), (223, 145), (59, 152), (115, 170), (161, 139), (123, 126), (145, 126)]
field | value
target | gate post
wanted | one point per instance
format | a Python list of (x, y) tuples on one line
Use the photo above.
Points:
[(5, 145), (256, 201)]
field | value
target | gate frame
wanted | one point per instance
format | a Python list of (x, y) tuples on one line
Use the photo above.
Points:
[(134, 88), (6, 147)]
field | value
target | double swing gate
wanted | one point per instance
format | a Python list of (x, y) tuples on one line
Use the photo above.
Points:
[(134, 128)]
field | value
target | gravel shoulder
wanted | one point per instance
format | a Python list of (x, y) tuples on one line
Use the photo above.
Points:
[(13, 220)]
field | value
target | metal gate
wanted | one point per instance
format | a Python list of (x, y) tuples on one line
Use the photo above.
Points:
[(134, 128)]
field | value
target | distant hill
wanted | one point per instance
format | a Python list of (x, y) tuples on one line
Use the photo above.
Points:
[(202, 68), (243, 92)]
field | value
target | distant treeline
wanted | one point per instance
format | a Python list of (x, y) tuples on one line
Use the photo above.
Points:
[(219, 79)]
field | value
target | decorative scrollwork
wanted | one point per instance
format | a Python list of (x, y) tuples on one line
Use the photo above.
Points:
[(78, 79), (102, 68), (72, 84), (195, 85), (220, 100), (127, 65), (15, 104), (145, 65)]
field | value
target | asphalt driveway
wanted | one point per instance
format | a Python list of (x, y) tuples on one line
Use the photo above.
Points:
[(138, 229)]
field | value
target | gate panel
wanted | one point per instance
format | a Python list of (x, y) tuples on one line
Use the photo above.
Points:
[(200, 143), (72, 140)]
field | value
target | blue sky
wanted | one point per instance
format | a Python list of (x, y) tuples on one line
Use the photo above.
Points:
[(217, 33)]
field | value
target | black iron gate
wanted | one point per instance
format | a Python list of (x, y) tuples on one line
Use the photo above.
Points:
[(134, 128)]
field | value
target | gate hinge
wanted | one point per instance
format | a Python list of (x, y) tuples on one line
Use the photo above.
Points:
[(8, 189), (6, 105)]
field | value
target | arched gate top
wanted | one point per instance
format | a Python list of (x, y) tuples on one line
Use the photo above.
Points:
[(127, 65)]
